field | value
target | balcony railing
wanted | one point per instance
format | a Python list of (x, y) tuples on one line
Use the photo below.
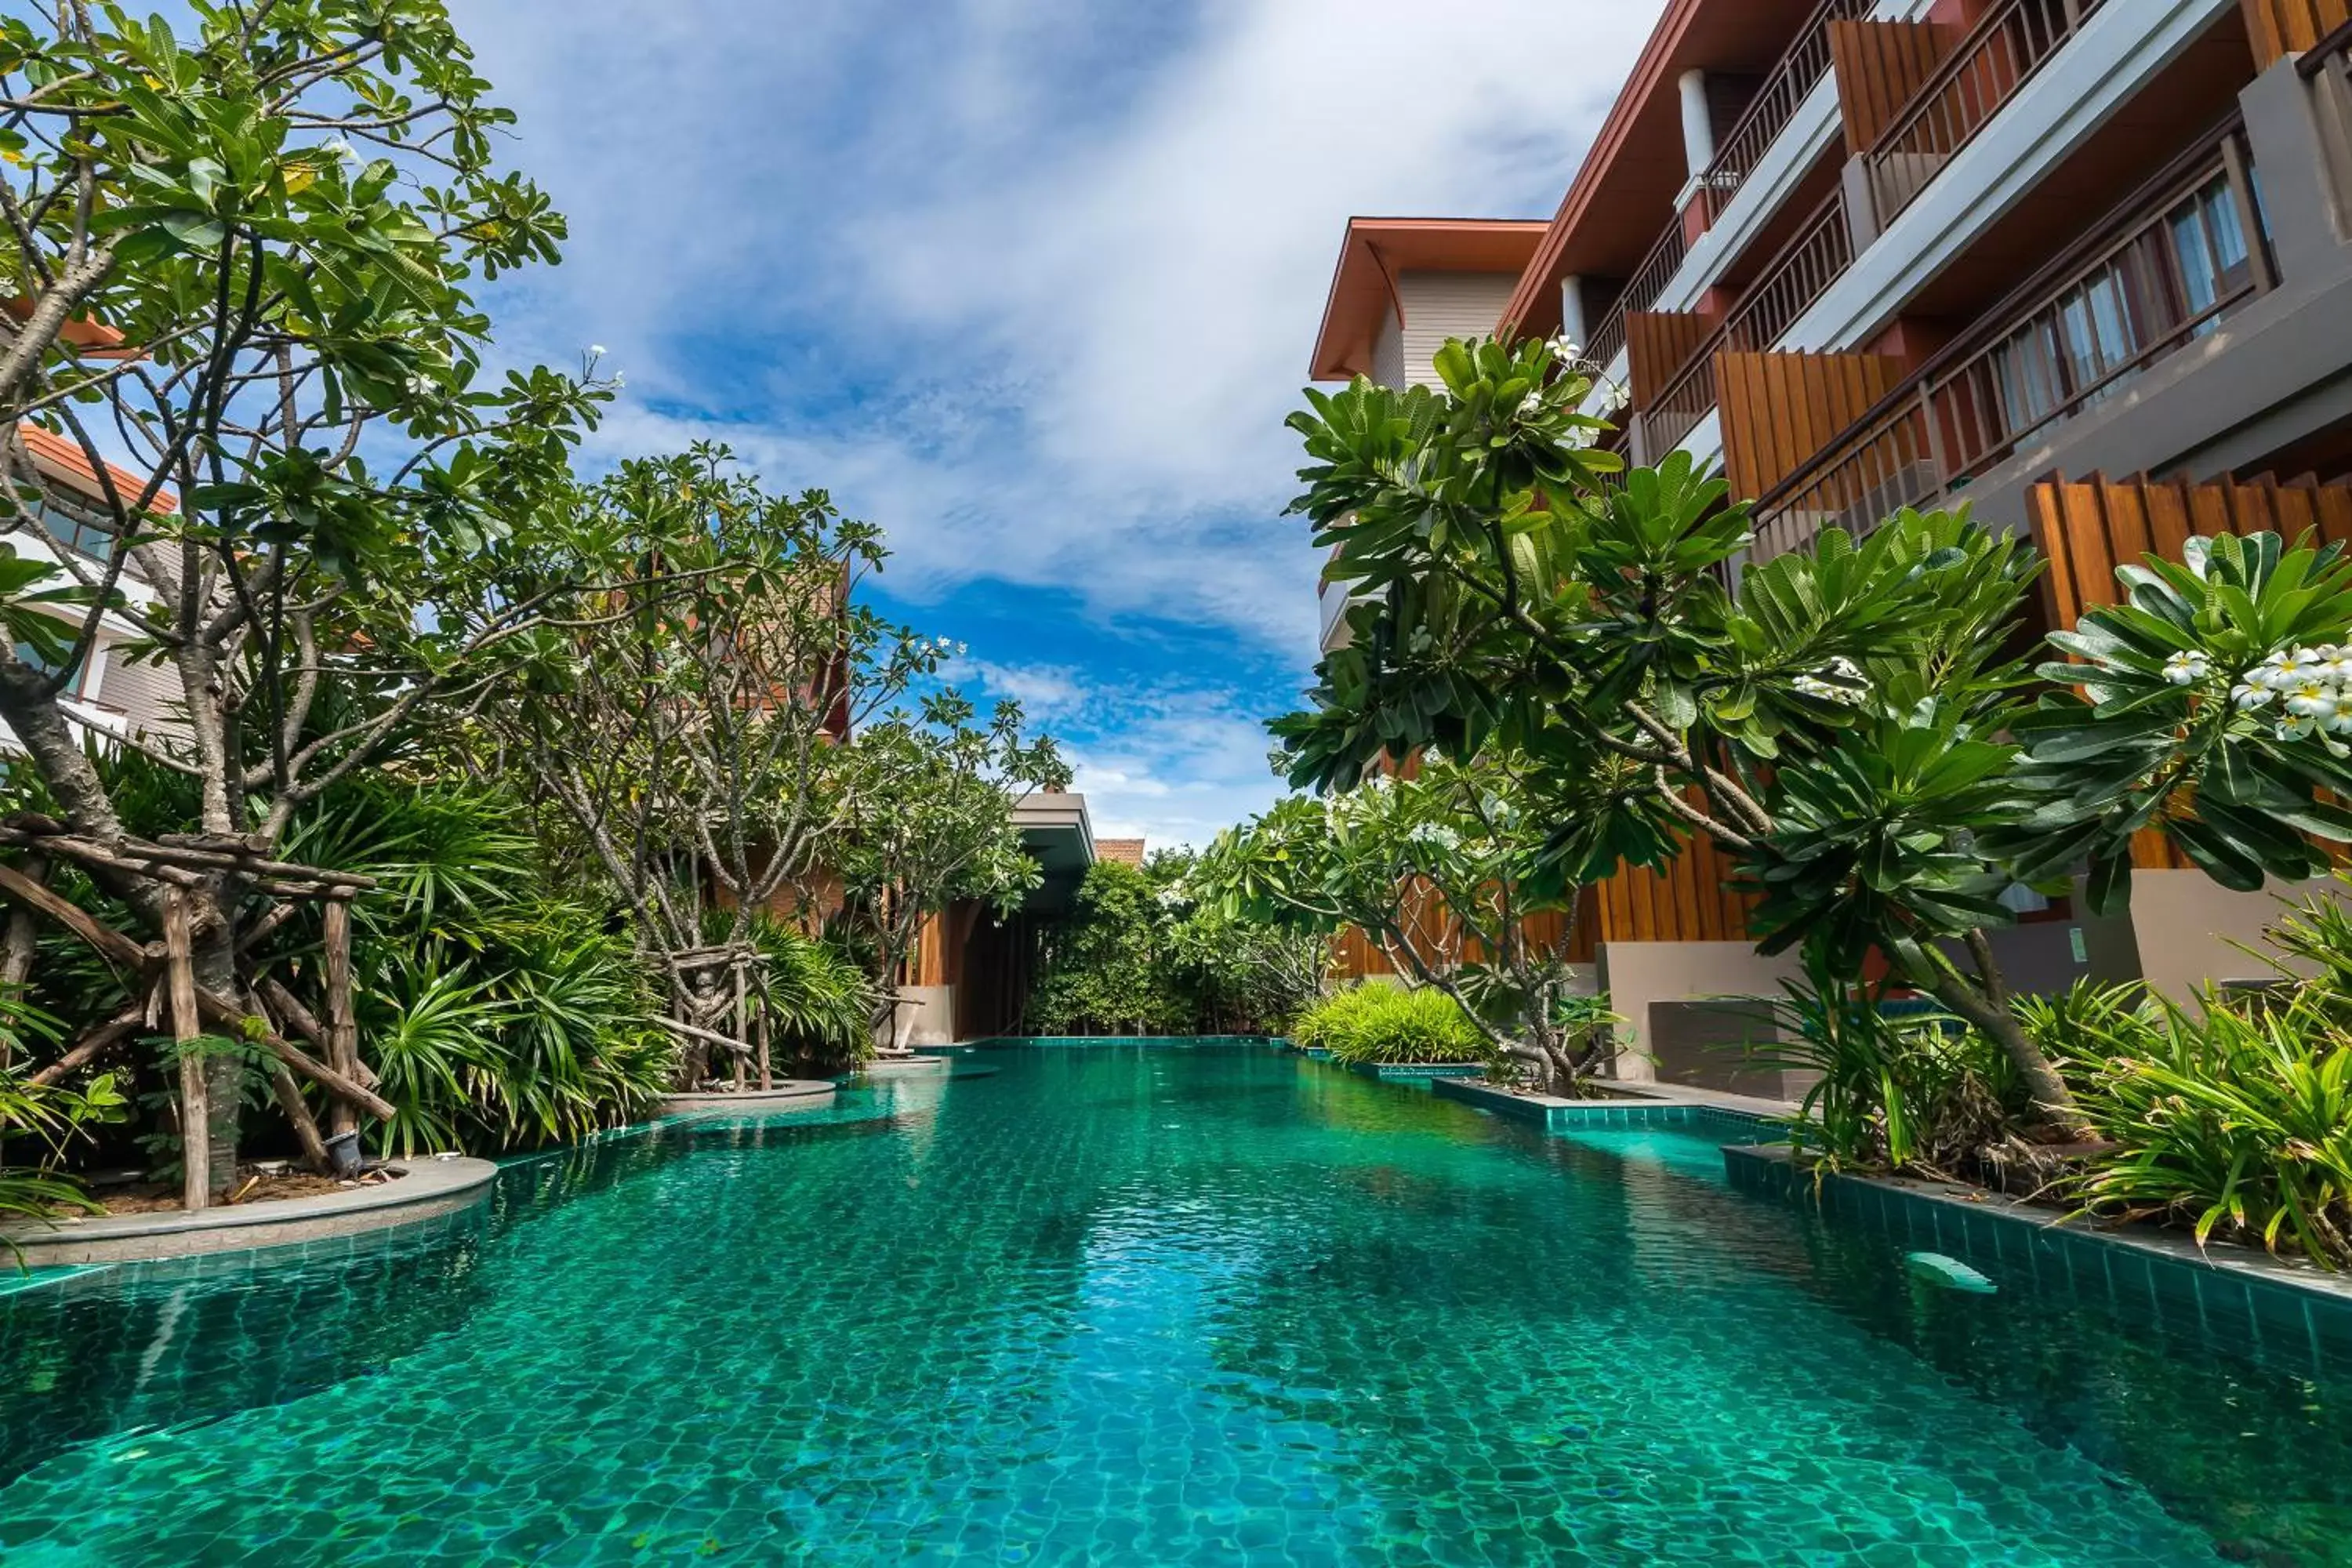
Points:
[(1792, 79), (1815, 257), (1799, 70), (2000, 52), (2329, 68), (2159, 274), (1641, 291)]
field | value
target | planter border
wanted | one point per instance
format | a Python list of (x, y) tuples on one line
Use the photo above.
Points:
[(1633, 1108), (427, 1189), (1410, 1072), (2229, 1294), (791, 1091)]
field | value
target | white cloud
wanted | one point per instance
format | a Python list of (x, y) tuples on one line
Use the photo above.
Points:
[(1030, 283)]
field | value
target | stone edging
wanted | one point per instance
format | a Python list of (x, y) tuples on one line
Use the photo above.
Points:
[(791, 1091), (1633, 1109), (427, 1188), (902, 1065), (1388, 1071), (2245, 1296)]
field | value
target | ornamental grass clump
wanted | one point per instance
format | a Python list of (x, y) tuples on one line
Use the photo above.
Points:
[(2234, 1117), (1374, 1022)]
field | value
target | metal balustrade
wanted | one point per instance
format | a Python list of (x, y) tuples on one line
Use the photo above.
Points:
[(1814, 258), (1792, 79), (2158, 274), (2012, 42)]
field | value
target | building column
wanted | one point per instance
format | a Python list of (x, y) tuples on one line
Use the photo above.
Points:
[(1698, 123), (1571, 311)]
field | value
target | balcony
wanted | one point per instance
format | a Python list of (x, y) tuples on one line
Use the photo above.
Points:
[(2158, 274), (1741, 150), (1961, 95), (1815, 257)]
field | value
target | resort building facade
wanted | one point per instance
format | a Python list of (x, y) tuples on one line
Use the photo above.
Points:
[(2084, 266), (63, 523)]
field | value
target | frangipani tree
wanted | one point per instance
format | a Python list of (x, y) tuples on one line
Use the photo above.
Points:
[(690, 733), (242, 264), (930, 797), (1855, 721), (1447, 867)]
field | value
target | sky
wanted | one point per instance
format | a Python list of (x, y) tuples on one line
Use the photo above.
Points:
[(1031, 284)]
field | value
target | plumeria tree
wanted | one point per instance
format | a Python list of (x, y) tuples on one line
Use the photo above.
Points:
[(242, 251), (1852, 722), (1450, 869), (689, 733), (930, 797)]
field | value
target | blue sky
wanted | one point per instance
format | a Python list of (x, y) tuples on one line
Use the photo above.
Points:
[(1030, 283)]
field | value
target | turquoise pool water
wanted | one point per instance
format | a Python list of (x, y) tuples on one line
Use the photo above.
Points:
[(1130, 1305)]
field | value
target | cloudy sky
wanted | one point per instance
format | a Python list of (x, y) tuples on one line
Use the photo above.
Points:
[(1032, 284)]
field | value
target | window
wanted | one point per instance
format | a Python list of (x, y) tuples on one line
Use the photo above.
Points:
[(26, 654)]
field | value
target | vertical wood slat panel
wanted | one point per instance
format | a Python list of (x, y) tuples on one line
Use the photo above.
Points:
[(1658, 344), (2278, 28), (1881, 66), (1780, 410)]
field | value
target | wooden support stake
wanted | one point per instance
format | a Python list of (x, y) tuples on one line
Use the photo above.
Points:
[(111, 945), (343, 1029), (16, 947), (742, 1028), (196, 1103), (297, 1108), (767, 1071), (94, 1044)]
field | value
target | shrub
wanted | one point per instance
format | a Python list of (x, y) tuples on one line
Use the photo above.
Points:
[(2236, 1118), (1372, 1022), (824, 1001), (1896, 1092)]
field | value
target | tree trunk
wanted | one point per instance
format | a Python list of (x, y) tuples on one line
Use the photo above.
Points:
[(2050, 1097), (213, 960)]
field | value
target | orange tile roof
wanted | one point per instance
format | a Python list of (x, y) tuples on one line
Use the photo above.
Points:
[(1363, 285), (62, 459), (1125, 851)]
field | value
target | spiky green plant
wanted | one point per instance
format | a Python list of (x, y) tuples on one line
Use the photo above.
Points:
[(1372, 1022)]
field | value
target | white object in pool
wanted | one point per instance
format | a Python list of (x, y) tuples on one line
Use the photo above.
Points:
[(1948, 1272)]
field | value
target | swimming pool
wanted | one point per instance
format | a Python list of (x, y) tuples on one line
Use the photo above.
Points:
[(1135, 1304)]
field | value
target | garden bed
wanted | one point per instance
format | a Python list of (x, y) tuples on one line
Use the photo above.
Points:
[(252, 1185), (426, 1188)]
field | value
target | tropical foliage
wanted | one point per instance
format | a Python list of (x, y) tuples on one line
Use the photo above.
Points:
[(1142, 954), (1851, 719), (2232, 1115), (1375, 1021), (1456, 871)]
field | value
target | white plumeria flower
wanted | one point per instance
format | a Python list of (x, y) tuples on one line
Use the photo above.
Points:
[(2335, 664), (597, 351), (2250, 696), (2186, 669), (2296, 729), (340, 150), (619, 380), (2337, 721), (2310, 698), (1567, 348)]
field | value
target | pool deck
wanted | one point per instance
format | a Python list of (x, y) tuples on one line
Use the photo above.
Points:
[(427, 1188)]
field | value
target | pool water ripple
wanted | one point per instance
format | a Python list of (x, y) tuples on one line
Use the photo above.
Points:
[(1121, 1305)]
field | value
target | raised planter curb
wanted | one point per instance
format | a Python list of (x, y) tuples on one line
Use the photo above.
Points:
[(1412, 1071), (792, 1092), (1634, 1109), (427, 1189), (900, 1067), (2231, 1293)]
